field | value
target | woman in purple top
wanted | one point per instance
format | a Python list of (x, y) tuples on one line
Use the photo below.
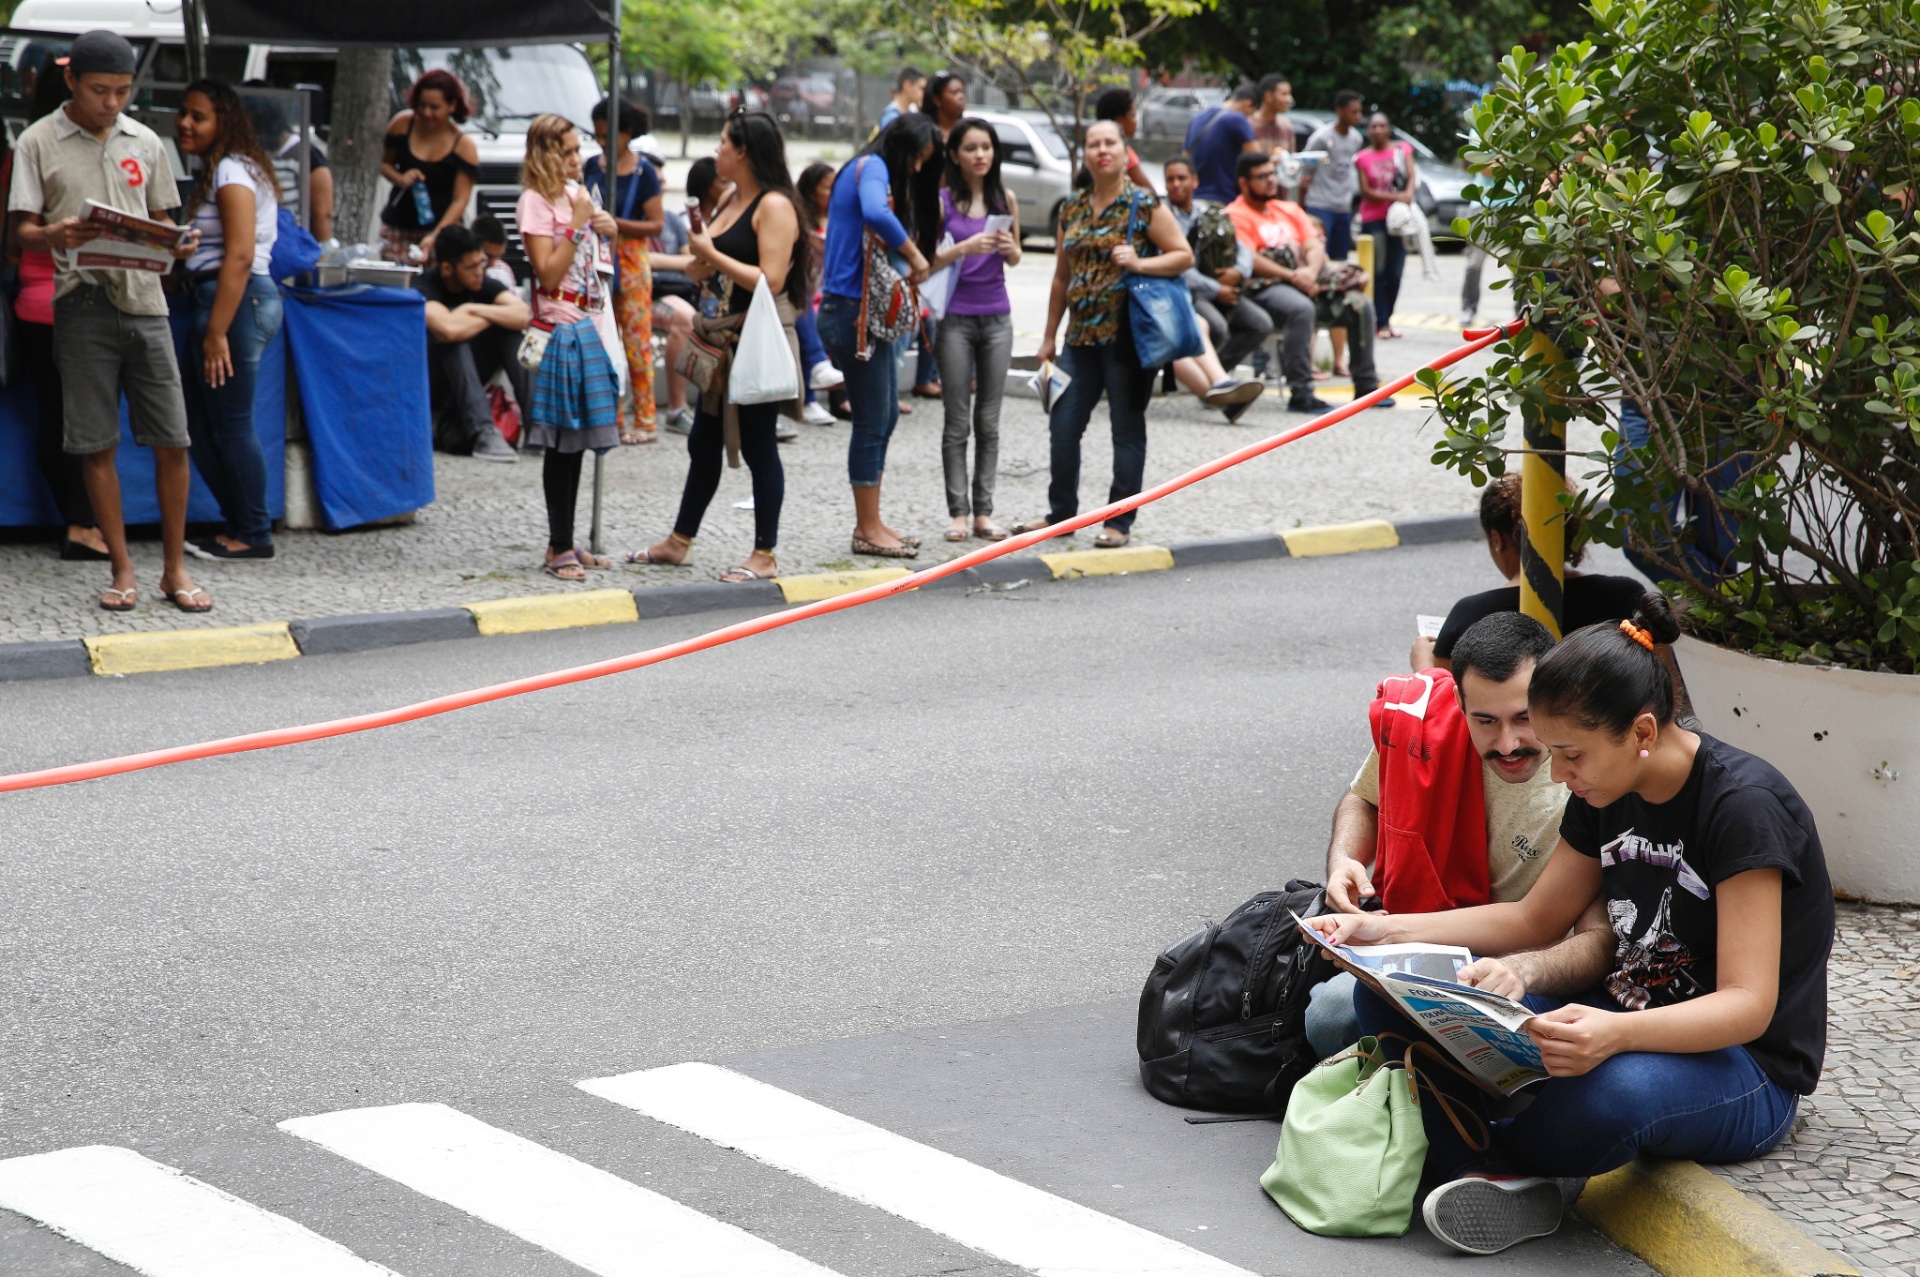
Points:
[(975, 341)]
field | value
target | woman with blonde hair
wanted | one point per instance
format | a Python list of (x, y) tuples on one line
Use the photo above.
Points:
[(576, 390)]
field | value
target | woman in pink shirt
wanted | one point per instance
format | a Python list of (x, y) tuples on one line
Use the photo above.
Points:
[(1387, 177)]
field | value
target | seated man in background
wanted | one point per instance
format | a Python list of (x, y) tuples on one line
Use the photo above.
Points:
[(1589, 599), (1297, 285), (474, 324), (493, 242), (1222, 265), (1454, 807)]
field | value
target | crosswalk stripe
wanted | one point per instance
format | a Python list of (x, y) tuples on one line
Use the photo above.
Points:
[(1003, 1217), (163, 1223), (585, 1215)]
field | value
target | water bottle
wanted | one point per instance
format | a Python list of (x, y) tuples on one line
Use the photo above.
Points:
[(422, 204)]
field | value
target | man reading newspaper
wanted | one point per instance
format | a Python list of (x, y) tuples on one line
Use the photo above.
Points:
[(110, 331), (1455, 807)]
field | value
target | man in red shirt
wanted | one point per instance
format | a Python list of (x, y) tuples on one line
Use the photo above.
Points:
[(1289, 263)]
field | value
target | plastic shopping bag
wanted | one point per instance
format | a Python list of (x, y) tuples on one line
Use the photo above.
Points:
[(937, 290), (764, 370)]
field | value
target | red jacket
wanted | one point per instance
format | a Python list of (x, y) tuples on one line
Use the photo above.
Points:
[(1432, 850)]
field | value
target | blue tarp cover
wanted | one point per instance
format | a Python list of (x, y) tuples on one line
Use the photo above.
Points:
[(359, 358)]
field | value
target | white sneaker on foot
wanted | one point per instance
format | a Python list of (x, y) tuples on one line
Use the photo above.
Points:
[(824, 376), (1485, 1216), (816, 414)]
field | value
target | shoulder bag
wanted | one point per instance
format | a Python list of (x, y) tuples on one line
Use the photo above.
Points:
[(1160, 312), (889, 303)]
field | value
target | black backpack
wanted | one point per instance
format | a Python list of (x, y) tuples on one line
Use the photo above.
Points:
[(1223, 1016)]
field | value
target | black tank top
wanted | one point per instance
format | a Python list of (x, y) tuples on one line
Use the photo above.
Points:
[(438, 174), (742, 244)]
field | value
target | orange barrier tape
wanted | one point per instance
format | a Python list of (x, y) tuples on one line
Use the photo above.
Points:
[(1479, 339)]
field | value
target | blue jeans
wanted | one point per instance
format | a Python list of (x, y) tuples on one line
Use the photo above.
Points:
[(1389, 264), (1708, 539), (225, 447), (807, 329), (1715, 1106), (1113, 370), (873, 388), (1339, 228), (1331, 1026)]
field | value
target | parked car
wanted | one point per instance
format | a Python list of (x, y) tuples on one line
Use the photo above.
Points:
[(1441, 184), (804, 99), (1165, 113), (1034, 164)]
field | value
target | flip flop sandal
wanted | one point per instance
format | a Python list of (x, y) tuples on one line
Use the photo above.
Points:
[(127, 599), (958, 534), (646, 556), (1031, 525), (992, 532), (741, 574), (1110, 540), (174, 596), (863, 546), (596, 562), (559, 565)]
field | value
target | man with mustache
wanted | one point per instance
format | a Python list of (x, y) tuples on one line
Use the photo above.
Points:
[(1455, 806)]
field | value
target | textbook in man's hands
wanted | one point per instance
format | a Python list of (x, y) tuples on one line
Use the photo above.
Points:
[(1479, 1029), (127, 242)]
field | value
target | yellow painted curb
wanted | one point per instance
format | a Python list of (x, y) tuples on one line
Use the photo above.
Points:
[(1688, 1222), (1340, 538), (811, 587), (190, 649), (1131, 558), (553, 611)]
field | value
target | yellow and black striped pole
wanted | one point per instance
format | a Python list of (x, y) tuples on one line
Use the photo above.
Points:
[(1543, 478)]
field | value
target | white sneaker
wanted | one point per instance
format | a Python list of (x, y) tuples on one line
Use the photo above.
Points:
[(1485, 1216), (825, 376), (815, 414)]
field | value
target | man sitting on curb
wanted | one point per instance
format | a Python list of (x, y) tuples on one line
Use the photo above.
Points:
[(1455, 806), (474, 324), (1296, 284)]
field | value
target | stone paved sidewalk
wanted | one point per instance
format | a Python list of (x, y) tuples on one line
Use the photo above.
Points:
[(1850, 1174)]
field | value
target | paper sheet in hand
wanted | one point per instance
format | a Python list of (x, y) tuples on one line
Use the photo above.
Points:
[(937, 290), (1429, 626), (1049, 382), (1480, 1030), (126, 241), (997, 222)]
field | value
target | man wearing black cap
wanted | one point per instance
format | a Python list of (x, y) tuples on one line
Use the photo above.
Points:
[(110, 332)]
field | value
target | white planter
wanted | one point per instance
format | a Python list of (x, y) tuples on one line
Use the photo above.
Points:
[(1848, 740)]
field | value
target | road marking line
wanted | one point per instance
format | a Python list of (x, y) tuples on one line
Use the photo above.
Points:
[(581, 1213), (161, 1222), (983, 1209)]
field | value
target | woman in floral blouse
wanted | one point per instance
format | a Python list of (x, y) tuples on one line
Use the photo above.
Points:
[(1089, 289)]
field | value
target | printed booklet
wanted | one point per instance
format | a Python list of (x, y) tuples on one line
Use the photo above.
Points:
[(127, 242), (1481, 1030)]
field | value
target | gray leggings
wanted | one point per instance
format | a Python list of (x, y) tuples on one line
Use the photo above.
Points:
[(976, 350)]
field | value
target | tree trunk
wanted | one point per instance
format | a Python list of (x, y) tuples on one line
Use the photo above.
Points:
[(362, 105)]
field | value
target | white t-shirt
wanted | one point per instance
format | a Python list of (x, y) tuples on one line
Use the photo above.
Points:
[(206, 218)]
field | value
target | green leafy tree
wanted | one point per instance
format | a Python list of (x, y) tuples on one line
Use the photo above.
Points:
[(1712, 205), (685, 43)]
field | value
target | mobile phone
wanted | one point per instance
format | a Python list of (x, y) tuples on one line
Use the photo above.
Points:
[(695, 222)]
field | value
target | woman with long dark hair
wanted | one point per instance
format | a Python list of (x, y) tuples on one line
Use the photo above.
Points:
[(576, 390), (975, 341), (233, 312), (1689, 1030), (756, 235), (432, 164), (889, 191), (1106, 231)]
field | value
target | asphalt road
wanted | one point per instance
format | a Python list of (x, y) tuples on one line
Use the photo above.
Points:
[(910, 862)]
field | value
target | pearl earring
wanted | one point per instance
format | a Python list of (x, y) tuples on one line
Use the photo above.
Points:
[(1643, 753)]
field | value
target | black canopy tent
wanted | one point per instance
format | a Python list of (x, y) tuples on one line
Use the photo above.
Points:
[(332, 24)]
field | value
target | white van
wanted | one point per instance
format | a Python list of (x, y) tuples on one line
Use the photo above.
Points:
[(510, 85)]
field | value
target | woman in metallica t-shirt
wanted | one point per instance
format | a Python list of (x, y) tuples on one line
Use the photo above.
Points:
[(1702, 1020)]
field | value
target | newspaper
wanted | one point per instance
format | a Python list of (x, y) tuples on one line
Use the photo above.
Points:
[(1480, 1030), (1428, 626), (126, 242), (1050, 381)]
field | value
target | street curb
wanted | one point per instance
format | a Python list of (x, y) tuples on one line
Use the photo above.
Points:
[(1686, 1221), (141, 651)]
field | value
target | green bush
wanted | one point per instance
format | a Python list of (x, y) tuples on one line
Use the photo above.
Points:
[(1711, 206)]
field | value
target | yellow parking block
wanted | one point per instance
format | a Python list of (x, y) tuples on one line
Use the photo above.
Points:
[(1340, 538), (811, 587), (1688, 1222), (1133, 558), (190, 649), (553, 611)]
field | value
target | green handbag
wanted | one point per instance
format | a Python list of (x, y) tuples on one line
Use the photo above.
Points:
[(1352, 1146)]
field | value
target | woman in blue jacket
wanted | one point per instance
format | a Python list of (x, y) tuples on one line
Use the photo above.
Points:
[(891, 189)]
